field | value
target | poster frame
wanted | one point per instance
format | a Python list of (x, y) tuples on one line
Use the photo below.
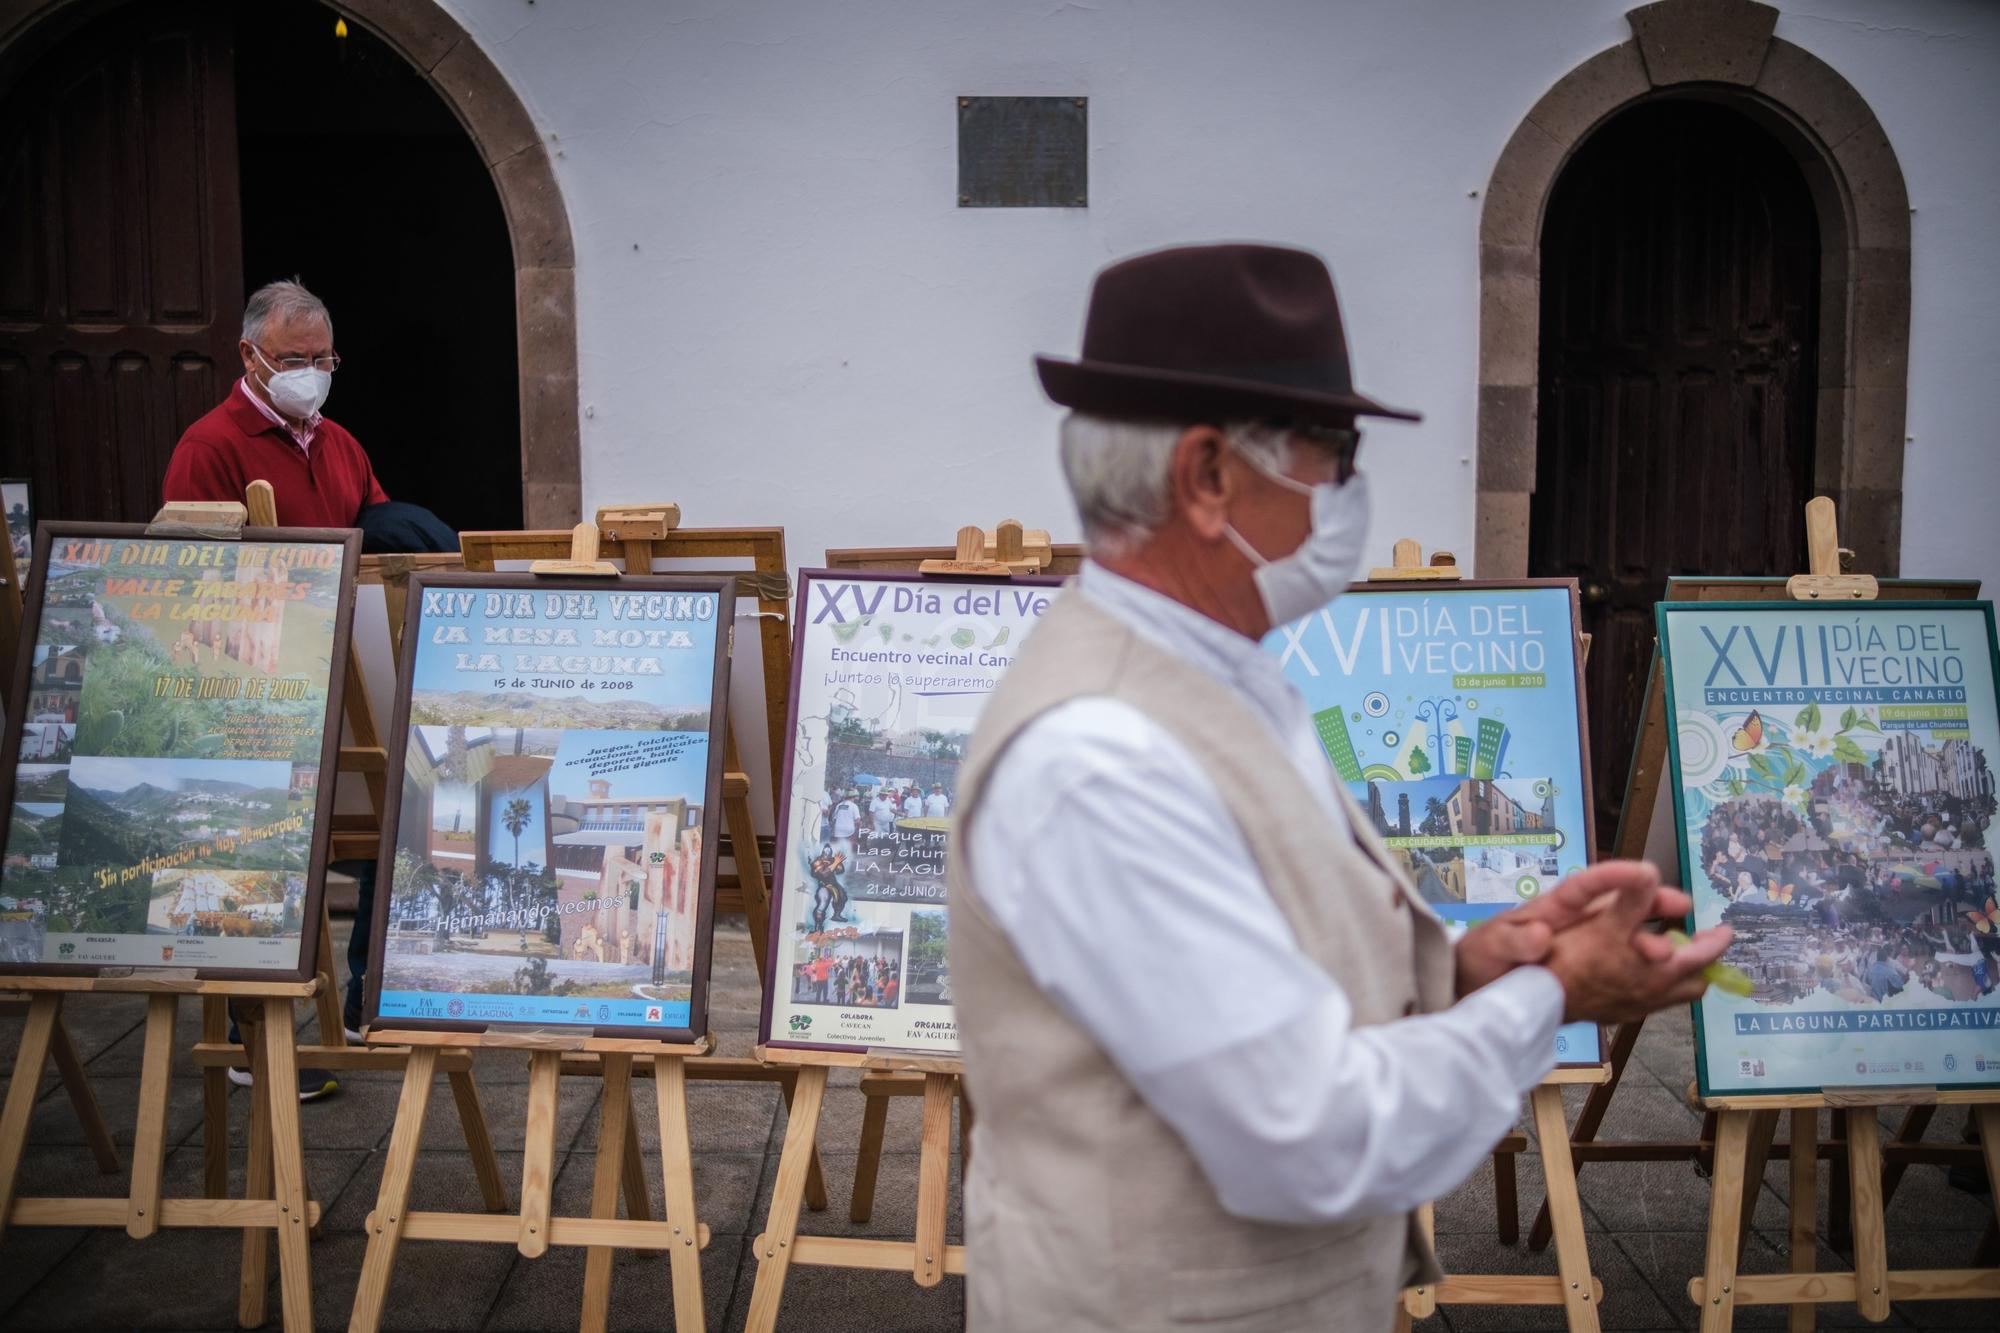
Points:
[(398, 739), (1588, 794), (1661, 612), (349, 541), (774, 966)]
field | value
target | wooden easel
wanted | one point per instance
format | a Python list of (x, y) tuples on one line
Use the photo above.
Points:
[(642, 535), (1007, 550), (1572, 1286), (216, 1054), (76, 1083), (1746, 1125), (618, 1164), (1644, 789), (276, 1190)]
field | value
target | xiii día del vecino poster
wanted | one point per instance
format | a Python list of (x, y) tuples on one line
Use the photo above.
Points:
[(555, 814), (1832, 768), (170, 745), (892, 672), (1451, 712)]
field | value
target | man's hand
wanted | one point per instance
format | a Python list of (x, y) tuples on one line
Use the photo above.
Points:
[(1524, 935), (1613, 970)]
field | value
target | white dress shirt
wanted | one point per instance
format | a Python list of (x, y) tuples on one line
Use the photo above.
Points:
[(1106, 855)]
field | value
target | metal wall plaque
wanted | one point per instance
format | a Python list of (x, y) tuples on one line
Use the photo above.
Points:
[(1023, 152)]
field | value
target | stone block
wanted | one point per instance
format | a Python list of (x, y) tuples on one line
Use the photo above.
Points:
[(1707, 41), (1520, 183), (545, 319), (1881, 338), (1871, 525), (485, 101), (1875, 442), (1507, 457), (1813, 91), (1590, 92), (1875, 189), (551, 504), (424, 33), (1510, 316), (551, 446), (1500, 535), (537, 219)]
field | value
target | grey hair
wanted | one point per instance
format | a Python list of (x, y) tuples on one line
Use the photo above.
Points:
[(1118, 471), (284, 299)]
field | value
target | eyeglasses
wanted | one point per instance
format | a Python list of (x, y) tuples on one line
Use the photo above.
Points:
[(328, 363), (1340, 445)]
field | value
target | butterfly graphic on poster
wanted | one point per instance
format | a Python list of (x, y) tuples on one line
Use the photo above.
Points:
[(1985, 922), (1750, 735)]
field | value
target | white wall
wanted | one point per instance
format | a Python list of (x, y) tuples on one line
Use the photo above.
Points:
[(784, 316)]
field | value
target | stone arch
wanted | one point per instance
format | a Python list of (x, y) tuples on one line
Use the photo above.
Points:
[(504, 133), (1721, 51)]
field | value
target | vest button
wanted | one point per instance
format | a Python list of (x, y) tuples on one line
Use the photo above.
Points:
[(1409, 1009)]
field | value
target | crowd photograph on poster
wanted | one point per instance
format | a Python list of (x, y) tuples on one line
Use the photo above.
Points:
[(892, 672), (555, 812), (166, 783), (1835, 785)]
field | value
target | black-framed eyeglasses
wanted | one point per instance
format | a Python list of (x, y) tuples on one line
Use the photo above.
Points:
[(328, 363)]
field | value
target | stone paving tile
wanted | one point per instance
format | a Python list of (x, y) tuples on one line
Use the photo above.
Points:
[(1470, 1208), (177, 1279), (894, 1215), (547, 1293), (436, 1285), (1629, 1302), (725, 1189), (54, 1120), (443, 1182), (819, 1300)]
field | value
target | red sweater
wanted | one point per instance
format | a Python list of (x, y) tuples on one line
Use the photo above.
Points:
[(236, 444)]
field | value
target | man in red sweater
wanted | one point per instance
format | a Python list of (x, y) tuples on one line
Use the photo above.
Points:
[(270, 427)]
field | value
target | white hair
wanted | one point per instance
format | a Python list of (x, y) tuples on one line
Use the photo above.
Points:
[(1118, 471), (282, 300)]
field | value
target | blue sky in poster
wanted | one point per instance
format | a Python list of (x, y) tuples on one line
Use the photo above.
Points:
[(1833, 778), (658, 651)]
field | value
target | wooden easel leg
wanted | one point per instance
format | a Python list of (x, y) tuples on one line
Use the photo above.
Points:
[(1420, 1302), (385, 1224), (1565, 1209), (677, 1174), (933, 1179), (815, 1177), (1757, 1154), (638, 1206), (83, 1099), (538, 1158), (149, 1134), (214, 1102), (1805, 1206), (1871, 1241), (1506, 1197), (874, 1126), (478, 1139), (614, 1120), (44, 1012), (773, 1249), (289, 1165), (258, 1170), (1725, 1215), (1624, 1039), (332, 1031)]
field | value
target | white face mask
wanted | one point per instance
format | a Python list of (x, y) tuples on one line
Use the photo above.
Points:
[(296, 393), (1325, 562)]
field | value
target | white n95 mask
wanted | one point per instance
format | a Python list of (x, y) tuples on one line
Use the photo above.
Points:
[(297, 393), (1325, 562)]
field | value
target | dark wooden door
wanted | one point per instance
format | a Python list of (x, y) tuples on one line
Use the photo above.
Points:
[(1680, 275), (121, 258)]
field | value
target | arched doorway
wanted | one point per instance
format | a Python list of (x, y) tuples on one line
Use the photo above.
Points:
[(1676, 397), (393, 169)]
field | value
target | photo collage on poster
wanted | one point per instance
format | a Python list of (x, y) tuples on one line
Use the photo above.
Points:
[(168, 774), (551, 861), (1451, 712), (1834, 795), (892, 674)]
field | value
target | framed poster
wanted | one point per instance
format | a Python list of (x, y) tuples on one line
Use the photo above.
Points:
[(1452, 711), (177, 702), (548, 848), (890, 674), (19, 508), (1832, 770)]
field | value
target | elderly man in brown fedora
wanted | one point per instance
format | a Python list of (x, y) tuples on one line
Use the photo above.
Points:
[(1220, 1047)]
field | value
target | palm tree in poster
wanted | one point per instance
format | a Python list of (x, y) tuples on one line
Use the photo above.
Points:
[(514, 818)]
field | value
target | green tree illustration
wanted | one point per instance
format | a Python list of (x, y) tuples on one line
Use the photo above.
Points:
[(1418, 764)]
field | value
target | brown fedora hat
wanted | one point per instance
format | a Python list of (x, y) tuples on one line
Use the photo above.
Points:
[(1202, 332)]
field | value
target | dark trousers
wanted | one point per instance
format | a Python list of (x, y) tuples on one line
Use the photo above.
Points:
[(363, 873)]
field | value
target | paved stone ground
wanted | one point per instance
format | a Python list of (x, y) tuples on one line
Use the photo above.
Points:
[(1646, 1220)]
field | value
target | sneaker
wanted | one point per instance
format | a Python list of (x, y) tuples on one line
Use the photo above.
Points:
[(353, 1035), (313, 1083)]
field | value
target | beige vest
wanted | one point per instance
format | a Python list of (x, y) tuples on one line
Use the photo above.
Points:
[(1084, 1210)]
